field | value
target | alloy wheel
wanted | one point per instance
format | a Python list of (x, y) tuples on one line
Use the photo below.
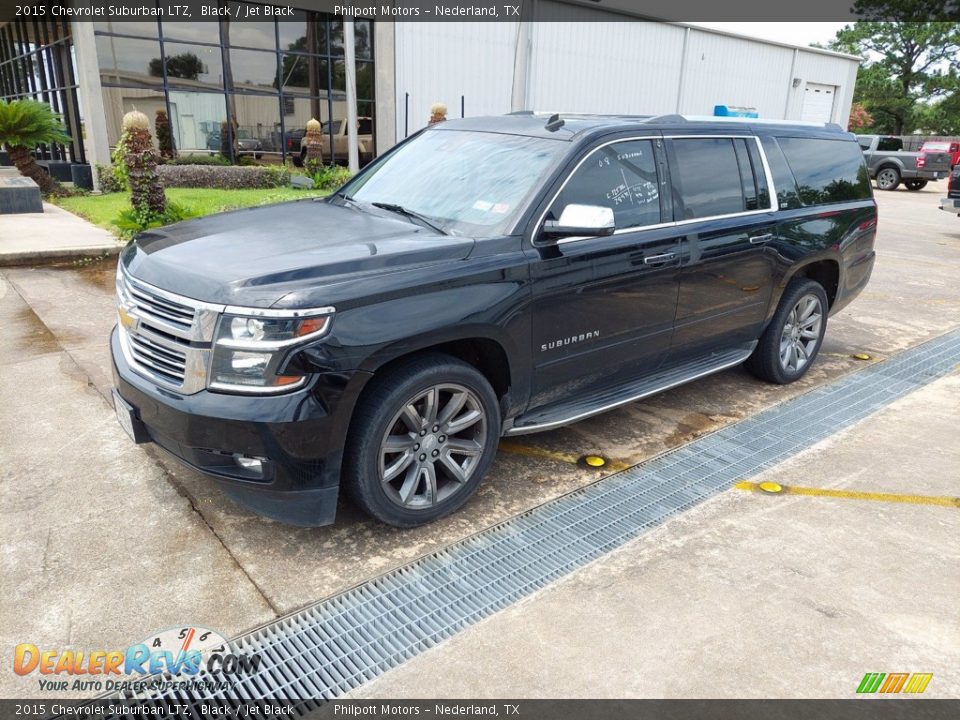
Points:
[(887, 179), (432, 446), (801, 333)]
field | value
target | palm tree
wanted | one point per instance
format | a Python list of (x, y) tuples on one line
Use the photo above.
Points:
[(24, 124)]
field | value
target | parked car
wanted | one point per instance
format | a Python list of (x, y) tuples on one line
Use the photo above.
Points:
[(246, 143), (890, 164), (486, 277), (951, 203), (943, 146), (340, 148)]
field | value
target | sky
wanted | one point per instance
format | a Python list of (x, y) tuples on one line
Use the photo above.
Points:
[(794, 33)]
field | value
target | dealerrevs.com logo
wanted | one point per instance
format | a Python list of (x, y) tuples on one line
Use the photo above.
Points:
[(182, 653)]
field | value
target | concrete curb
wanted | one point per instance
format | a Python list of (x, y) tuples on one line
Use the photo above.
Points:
[(50, 257)]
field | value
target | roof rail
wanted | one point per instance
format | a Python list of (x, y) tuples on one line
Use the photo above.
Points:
[(672, 118)]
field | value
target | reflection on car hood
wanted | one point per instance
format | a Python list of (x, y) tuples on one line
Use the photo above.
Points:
[(255, 256)]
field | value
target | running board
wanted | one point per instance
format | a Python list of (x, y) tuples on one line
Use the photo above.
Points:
[(553, 416)]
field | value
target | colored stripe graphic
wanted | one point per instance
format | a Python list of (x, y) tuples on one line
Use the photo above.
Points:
[(894, 682), (918, 682), (870, 682)]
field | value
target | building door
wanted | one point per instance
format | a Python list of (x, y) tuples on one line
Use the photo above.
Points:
[(818, 102)]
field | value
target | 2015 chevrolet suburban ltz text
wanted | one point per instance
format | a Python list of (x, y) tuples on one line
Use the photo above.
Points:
[(487, 277)]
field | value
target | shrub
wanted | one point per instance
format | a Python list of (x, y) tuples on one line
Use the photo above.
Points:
[(314, 147), (224, 178), (330, 177), (199, 160), (132, 221), (24, 124), (146, 189), (107, 179), (164, 135)]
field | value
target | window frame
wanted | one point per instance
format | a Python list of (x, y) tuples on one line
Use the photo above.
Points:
[(659, 161), (663, 171)]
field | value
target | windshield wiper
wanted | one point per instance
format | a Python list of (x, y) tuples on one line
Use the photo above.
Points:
[(400, 210)]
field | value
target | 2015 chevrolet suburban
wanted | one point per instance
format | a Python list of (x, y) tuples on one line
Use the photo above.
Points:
[(487, 277)]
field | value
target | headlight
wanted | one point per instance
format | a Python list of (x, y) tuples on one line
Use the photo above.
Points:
[(250, 346)]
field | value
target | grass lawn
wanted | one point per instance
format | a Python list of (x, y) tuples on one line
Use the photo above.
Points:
[(102, 209)]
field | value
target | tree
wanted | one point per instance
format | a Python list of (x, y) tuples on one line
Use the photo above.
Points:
[(860, 119), (185, 65), (24, 124), (907, 64)]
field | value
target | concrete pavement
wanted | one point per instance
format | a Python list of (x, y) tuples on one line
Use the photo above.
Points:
[(747, 595), (100, 550), (265, 568), (53, 235)]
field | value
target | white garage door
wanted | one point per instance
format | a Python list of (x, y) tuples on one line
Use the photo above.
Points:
[(818, 102)]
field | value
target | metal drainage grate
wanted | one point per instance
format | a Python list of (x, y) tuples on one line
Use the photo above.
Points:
[(340, 643)]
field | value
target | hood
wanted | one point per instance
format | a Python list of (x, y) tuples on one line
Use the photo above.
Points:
[(256, 256)]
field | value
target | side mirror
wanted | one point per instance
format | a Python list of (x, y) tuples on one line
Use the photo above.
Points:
[(582, 220)]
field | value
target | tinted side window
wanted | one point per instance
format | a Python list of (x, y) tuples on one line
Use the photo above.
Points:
[(621, 176), (705, 178), (889, 144), (787, 196), (827, 171)]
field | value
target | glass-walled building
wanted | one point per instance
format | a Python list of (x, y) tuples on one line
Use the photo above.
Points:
[(36, 61), (241, 89), (234, 88)]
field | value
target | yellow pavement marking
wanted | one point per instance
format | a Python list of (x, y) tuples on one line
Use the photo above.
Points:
[(943, 501), (513, 448)]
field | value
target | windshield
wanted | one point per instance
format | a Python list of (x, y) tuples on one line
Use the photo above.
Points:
[(470, 183)]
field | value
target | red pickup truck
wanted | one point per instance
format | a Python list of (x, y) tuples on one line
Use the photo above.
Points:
[(942, 146)]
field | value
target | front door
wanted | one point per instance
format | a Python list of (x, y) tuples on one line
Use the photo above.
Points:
[(603, 307)]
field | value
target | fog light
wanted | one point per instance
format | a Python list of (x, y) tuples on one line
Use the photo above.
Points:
[(250, 464)]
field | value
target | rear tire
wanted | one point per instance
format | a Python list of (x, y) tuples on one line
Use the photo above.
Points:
[(792, 340), (888, 178), (422, 437), (914, 185)]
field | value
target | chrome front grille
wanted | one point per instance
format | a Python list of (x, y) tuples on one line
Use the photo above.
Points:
[(161, 310), (165, 337), (164, 361)]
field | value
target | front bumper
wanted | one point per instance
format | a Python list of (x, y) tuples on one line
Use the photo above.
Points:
[(300, 435), (950, 205)]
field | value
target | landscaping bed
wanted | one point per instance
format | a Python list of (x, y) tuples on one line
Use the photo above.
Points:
[(103, 210)]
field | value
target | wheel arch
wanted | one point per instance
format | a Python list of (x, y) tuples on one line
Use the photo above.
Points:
[(490, 353), (825, 271)]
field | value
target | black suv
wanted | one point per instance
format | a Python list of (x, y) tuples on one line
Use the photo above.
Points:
[(487, 277)]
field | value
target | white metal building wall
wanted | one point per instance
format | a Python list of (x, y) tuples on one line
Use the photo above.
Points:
[(605, 67), (440, 61), (602, 62)]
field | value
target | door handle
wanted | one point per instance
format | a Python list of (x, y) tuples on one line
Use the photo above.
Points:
[(757, 239), (659, 259)]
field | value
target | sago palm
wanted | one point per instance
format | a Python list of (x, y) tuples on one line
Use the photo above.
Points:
[(24, 124)]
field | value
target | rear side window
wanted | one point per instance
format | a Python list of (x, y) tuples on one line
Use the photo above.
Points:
[(621, 176), (705, 178), (889, 144), (827, 171), (787, 196)]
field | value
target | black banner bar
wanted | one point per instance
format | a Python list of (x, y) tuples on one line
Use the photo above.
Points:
[(487, 10)]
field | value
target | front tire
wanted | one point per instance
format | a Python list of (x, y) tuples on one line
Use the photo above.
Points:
[(792, 340), (423, 435), (888, 178), (914, 185)]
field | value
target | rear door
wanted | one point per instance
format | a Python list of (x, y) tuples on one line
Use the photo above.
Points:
[(725, 218), (603, 307)]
